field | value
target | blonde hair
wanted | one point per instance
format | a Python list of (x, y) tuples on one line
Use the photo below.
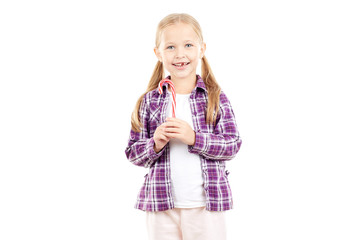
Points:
[(158, 74)]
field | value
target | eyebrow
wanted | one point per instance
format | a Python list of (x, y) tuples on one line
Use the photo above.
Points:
[(174, 43)]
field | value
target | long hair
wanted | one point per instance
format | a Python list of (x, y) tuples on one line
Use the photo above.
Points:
[(158, 74)]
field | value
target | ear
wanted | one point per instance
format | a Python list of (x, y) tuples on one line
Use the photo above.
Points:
[(157, 53), (202, 50)]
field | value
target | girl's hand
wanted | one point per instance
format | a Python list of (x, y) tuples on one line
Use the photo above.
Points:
[(177, 128), (160, 137)]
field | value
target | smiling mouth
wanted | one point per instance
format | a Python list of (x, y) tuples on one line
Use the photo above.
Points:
[(181, 64)]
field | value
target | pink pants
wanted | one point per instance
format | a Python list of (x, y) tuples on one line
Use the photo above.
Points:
[(186, 224)]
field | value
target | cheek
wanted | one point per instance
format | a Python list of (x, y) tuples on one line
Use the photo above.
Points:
[(168, 58), (195, 56), (195, 59)]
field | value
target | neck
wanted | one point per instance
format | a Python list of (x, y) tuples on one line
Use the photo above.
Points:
[(184, 85)]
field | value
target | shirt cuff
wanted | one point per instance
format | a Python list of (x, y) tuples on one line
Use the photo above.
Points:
[(200, 143), (152, 155)]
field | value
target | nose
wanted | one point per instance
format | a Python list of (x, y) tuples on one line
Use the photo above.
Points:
[(180, 53)]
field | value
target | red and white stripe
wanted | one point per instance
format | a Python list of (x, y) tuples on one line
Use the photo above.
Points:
[(166, 80)]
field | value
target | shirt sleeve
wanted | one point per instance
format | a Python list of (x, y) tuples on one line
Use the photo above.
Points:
[(140, 149), (224, 143)]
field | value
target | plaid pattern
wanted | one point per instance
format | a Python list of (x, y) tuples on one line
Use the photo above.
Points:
[(214, 145)]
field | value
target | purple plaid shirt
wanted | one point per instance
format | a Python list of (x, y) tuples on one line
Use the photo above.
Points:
[(214, 145)]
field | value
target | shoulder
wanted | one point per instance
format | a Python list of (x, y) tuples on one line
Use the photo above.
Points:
[(225, 108), (224, 99), (150, 100), (151, 96)]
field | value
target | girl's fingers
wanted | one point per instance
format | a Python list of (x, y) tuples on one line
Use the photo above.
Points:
[(172, 130), (172, 124), (176, 120), (174, 135), (164, 137), (169, 134)]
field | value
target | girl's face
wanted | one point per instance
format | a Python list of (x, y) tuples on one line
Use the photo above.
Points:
[(180, 51)]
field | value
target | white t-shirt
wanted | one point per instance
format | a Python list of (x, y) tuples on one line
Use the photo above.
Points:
[(187, 182)]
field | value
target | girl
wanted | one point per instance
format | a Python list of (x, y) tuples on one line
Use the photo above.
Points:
[(186, 190)]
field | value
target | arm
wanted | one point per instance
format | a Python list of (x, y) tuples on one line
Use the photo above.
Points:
[(140, 149), (225, 142)]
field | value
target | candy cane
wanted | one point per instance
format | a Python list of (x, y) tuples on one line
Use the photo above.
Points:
[(172, 91)]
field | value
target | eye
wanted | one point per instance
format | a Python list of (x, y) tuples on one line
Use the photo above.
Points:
[(169, 47), (189, 44)]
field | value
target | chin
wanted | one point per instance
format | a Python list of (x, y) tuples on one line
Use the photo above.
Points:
[(184, 74)]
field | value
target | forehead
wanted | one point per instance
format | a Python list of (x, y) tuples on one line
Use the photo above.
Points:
[(178, 32)]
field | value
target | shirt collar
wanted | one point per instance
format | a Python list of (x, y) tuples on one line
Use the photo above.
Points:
[(199, 82)]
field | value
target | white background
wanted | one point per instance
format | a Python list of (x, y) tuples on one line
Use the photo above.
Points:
[(71, 72)]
